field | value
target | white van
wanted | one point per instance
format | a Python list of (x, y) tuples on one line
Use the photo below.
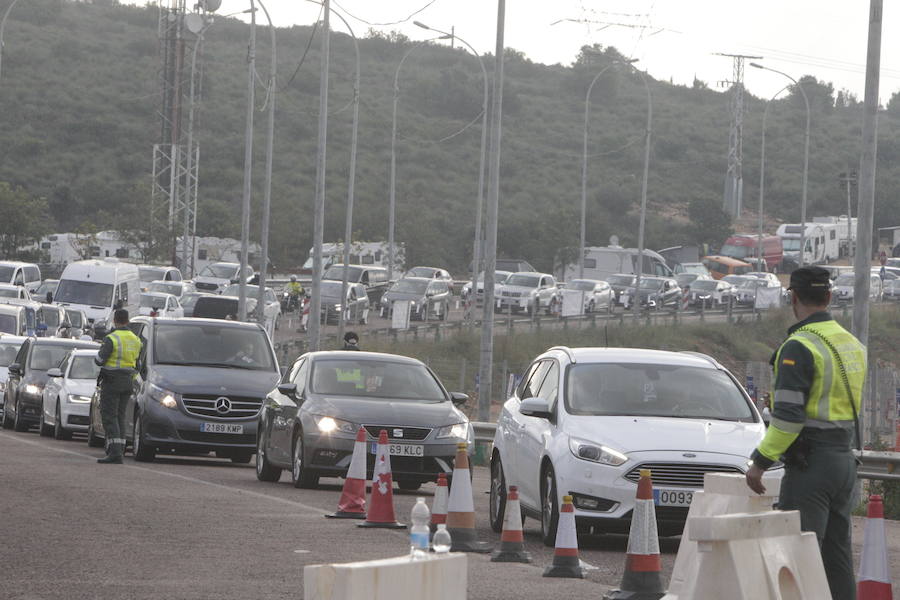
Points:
[(20, 273), (98, 287)]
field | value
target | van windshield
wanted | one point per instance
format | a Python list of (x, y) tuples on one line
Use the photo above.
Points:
[(220, 271), (84, 292), (737, 251), (8, 325), (209, 345)]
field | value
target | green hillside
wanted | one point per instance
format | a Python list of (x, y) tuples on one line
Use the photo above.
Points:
[(78, 97)]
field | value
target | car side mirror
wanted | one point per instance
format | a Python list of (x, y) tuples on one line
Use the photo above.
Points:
[(535, 407), (290, 390), (15, 369), (54, 372), (458, 398)]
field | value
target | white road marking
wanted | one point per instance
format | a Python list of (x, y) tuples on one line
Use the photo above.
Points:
[(300, 505)]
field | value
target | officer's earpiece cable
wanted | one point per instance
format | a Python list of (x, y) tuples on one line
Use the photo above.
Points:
[(844, 379)]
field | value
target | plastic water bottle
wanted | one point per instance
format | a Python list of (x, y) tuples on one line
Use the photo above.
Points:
[(441, 540), (419, 532)]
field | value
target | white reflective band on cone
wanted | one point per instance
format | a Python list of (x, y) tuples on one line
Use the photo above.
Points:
[(873, 563), (643, 538), (461, 492)]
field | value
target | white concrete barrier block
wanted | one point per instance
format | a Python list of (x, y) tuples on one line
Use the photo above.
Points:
[(754, 557), (734, 484), (436, 577), (743, 526)]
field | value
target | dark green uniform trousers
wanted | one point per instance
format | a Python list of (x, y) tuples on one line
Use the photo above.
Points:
[(115, 390), (823, 494)]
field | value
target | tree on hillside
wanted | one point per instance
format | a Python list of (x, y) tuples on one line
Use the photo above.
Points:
[(893, 105), (820, 95), (24, 221), (711, 224)]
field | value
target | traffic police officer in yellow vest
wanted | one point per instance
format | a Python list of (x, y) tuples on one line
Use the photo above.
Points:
[(117, 358), (819, 375)]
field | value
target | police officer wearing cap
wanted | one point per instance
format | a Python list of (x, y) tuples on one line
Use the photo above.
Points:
[(351, 341), (117, 357), (819, 375)]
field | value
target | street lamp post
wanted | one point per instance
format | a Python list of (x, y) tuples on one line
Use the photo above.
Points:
[(315, 306), (762, 177), (267, 192), (393, 181), (805, 158), (2, 27), (643, 217), (584, 162), (476, 250), (248, 166)]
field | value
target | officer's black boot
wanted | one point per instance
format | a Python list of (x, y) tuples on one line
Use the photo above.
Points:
[(114, 455)]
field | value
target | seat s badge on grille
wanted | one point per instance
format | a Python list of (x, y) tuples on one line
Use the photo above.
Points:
[(398, 433), (223, 405)]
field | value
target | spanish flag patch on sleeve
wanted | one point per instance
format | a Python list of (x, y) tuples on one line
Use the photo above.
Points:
[(789, 362)]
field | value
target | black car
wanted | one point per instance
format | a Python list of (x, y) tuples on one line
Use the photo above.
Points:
[(619, 283), (428, 298), (655, 293), (28, 376), (308, 424), (201, 385)]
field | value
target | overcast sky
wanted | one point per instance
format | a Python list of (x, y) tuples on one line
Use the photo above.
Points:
[(673, 39)]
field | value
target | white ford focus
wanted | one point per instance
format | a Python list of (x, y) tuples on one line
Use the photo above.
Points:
[(584, 421)]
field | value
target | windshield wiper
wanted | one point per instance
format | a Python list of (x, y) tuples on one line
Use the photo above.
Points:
[(211, 365)]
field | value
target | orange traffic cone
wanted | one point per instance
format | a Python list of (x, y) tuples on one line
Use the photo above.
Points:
[(381, 507), (461, 508), (565, 556), (439, 505), (512, 543), (642, 580), (874, 581), (352, 504)]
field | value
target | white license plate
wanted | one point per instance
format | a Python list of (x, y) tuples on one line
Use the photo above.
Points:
[(401, 449), (221, 428), (672, 497)]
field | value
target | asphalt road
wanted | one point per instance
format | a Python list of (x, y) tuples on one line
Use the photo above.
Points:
[(203, 528)]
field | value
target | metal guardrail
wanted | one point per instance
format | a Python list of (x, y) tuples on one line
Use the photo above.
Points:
[(484, 432)]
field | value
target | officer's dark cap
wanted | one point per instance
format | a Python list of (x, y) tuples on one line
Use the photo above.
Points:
[(120, 316), (810, 278), (351, 335)]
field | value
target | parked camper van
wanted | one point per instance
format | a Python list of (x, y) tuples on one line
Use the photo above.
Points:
[(821, 241), (98, 287), (601, 262)]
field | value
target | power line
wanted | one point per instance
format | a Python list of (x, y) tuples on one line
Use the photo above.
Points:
[(401, 21), (305, 51)]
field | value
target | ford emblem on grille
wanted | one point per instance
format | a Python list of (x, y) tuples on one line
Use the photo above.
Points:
[(223, 405), (398, 433)]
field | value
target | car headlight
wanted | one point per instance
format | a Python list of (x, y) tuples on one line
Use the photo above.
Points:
[(33, 389), (330, 424), (79, 398), (596, 452), (458, 431), (163, 396)]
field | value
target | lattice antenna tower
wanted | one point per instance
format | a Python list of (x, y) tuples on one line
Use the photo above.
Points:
[(173, 212), (734, 182)]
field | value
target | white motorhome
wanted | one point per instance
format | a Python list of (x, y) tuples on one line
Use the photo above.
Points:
[(373, 254), (846, 231), (602, 261), (98, 287), (821, 242)]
